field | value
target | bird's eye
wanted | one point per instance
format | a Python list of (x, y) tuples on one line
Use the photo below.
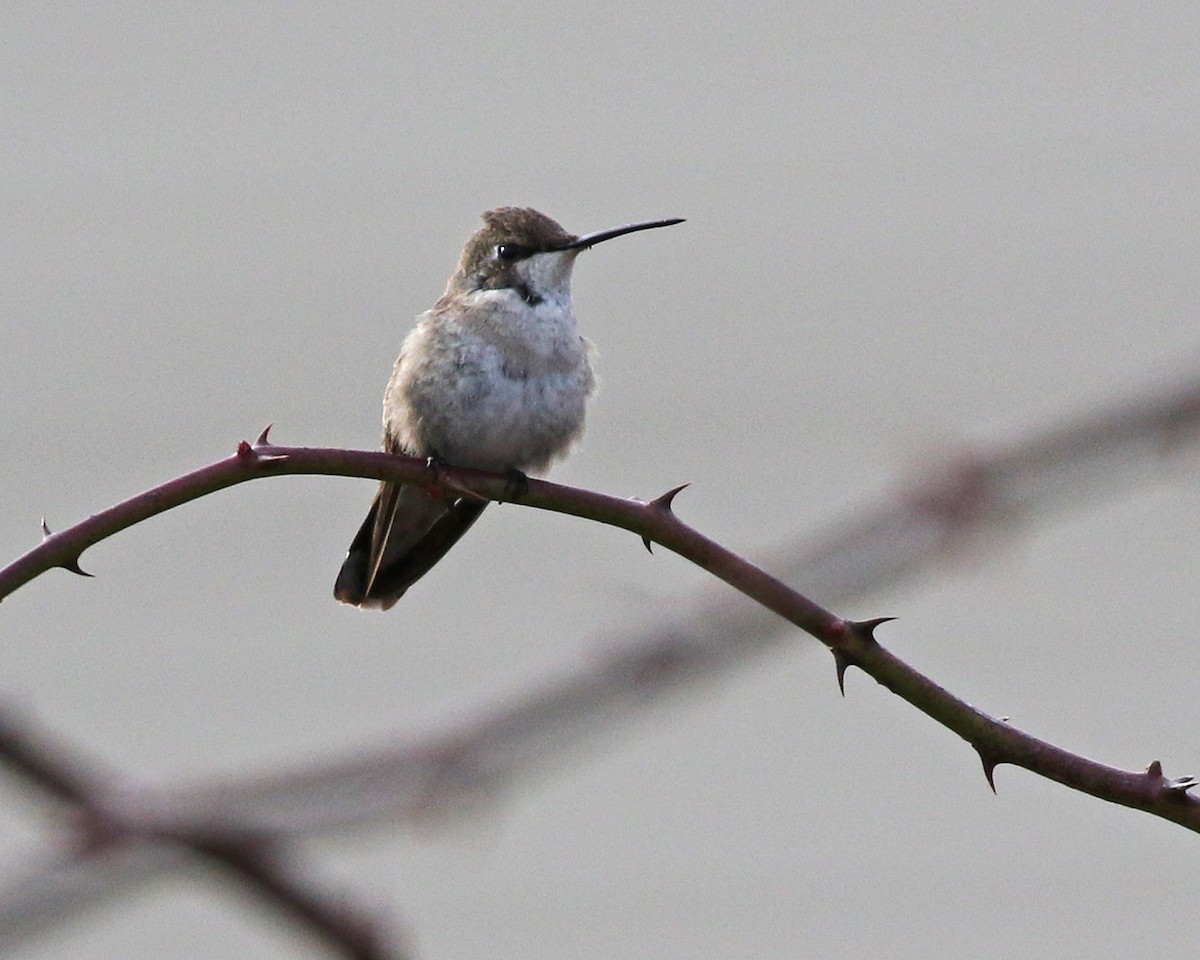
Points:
[(511, 252)]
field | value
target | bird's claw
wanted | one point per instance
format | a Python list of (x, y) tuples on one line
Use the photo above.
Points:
[(516, 484)]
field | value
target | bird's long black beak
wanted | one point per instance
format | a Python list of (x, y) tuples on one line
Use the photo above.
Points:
[(591, 239)]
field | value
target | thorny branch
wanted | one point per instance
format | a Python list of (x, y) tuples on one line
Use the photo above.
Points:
[(229, 823)]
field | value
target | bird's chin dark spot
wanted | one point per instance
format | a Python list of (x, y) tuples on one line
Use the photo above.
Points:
[(527, 295)]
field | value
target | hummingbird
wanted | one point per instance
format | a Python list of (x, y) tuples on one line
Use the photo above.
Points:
[(496, 376)]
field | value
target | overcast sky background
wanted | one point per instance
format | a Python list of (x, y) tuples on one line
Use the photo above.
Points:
[(911, 227)]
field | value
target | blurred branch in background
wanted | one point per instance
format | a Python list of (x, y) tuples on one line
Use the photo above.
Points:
[(116, 837)]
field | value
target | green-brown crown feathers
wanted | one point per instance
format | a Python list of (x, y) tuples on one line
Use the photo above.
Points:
[(522, 229)]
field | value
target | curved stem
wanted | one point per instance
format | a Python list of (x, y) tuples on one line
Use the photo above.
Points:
[(853, 644)]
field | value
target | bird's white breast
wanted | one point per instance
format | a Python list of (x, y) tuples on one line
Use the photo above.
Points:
[(493, 383)]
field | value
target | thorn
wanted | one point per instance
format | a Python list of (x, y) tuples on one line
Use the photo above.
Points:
[(664, 502), (1175, 785), (864, 630), (1180, 785), (247, 454), (262, 440), (841, 661), (73, 566), (660, 503), (989, 768)]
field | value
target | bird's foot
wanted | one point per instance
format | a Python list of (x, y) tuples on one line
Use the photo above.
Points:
[(435, 473), (516, 484), (440, 484)]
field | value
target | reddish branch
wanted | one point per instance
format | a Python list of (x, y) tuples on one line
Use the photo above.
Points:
[(1006, 485), (852, 644)]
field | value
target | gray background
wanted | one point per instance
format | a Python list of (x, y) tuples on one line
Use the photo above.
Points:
[(910, 227)]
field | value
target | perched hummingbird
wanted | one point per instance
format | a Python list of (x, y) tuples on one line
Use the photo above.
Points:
[(495, 377)]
